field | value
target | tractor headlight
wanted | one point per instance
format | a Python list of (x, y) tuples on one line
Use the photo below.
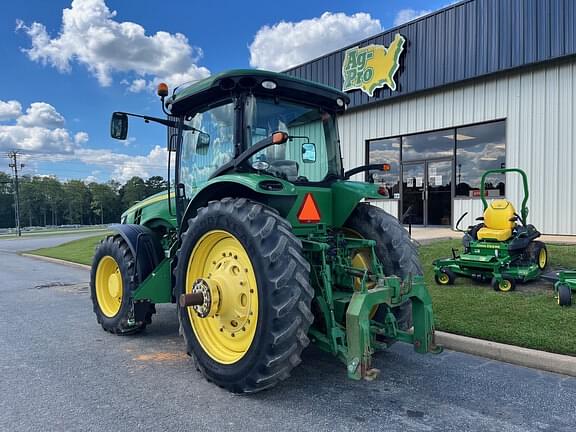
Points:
[(260, 165), (269, 85)]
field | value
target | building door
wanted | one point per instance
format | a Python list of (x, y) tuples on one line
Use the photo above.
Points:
[(427, 192)]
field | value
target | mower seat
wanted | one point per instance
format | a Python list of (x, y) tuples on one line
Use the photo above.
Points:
[(497, 223)]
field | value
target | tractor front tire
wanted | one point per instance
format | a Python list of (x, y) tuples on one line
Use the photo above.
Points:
[(394, 249), (245, 256), (564, 295), (112, 283)]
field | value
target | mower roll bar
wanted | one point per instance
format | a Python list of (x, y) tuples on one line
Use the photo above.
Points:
[(524, 211)]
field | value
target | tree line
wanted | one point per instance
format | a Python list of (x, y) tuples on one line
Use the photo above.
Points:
[(46, 201)]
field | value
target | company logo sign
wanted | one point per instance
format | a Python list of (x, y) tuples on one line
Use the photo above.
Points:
[(372, 67)]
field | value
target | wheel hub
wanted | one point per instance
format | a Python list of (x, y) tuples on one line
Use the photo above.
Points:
[(114, 284), (211, 295)]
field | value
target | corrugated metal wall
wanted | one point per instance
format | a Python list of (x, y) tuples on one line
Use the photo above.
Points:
[(539, 105), (464, 41)]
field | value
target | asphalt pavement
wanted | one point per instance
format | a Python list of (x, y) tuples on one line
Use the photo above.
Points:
[(61, 372)]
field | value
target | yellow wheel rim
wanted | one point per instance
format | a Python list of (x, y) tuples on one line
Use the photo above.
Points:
[(109, 286), (443, 278), (542, 258), (505, 285), (361, 260), (226, 334)]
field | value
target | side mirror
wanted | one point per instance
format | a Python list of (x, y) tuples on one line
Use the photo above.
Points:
[(203, 143), (308, 152), (119, 126)]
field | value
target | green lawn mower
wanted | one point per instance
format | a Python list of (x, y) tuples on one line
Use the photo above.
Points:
[(501, 248), (564, 287)]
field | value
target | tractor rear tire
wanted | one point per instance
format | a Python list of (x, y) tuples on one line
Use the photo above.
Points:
[(258, 329), (394, 249), (538, 254), (564, 295), (112, 283)]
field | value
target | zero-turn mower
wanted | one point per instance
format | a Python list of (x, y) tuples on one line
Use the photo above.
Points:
[(501, 248), (262, 240)]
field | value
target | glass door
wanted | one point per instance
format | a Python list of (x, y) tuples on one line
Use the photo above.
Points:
[(439, 192), (413, 191), (427, 192)]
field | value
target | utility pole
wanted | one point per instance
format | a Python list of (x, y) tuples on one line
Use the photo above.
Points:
[(14, 165)]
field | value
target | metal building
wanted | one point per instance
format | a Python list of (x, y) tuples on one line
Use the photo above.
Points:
[(477, 85)]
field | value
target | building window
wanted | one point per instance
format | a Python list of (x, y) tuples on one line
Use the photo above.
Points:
[(430, 145), (386, 151), (480, 148)]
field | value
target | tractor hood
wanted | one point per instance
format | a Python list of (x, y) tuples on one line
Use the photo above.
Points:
[(155, 207)]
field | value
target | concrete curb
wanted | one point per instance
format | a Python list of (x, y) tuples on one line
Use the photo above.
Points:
[(526, 357), (534, 359), (56, 261)]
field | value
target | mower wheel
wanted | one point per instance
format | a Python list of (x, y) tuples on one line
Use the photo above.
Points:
[(564, 295), (112, 282), (505, 284), (446, 277), (245, 261), (538, 254), (394, 249)]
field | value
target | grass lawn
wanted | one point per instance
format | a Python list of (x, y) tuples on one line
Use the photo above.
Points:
[(527, 319), (530, 319), (52, 232), (79, 251)]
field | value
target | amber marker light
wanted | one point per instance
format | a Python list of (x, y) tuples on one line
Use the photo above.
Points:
[(386, 167), (279, 137), (162, 90)]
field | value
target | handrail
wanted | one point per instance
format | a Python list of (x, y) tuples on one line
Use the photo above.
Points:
[(524, 210)]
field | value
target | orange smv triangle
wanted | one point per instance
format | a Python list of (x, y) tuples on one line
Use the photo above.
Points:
[(309, 212)]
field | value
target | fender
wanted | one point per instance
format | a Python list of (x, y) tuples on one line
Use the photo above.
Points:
[(271, 191), (144, 245), (346, 196)]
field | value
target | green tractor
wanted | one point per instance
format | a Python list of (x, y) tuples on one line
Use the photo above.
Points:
[(498, 248), (263, 242)]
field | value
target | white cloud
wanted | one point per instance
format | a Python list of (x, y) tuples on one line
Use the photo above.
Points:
[(92, 37), (138, 85), (43, 115), (81, 138), (126, 166), (287, 44), (40, 129), (9, 110), (405, 15), (35, 139), (39, 134)]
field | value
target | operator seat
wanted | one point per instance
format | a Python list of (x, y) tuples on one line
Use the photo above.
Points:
[(497, 223)]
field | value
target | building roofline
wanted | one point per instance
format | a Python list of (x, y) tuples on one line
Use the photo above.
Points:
[(390, 30)]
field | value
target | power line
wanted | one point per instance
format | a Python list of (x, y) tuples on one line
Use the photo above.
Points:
[(13, 155)]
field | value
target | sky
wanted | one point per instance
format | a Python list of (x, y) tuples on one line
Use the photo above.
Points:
[(66, 65)]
